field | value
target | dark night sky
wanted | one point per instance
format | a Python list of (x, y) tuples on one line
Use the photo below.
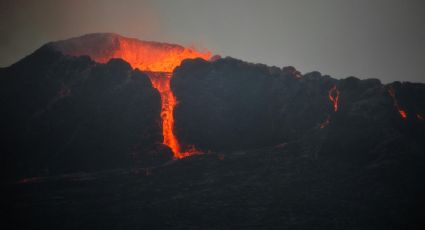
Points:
[(382, 39)]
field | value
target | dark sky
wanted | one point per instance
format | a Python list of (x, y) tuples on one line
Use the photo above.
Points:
[(382, 39)]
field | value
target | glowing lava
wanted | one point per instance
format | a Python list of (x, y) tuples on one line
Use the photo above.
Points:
[(161, 81), (403, 113), (326, 122), (144, 55), (334, 97), (160, 62), (157, 59)]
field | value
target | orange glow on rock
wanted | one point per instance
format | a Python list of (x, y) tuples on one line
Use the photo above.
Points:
[(403, 113), (157, 59), (334, 97), (326, 122), (144, 55), (420, 117), (161, 81)]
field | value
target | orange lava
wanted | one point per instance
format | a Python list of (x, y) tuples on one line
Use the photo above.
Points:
[(157, 59), (334, 97), (326, 122), (144, 55), (161, 81), (162, 59), (403, 113)]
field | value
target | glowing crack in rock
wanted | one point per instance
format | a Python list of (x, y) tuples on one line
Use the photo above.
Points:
[(334, 97), (326, 122), (402, 112)]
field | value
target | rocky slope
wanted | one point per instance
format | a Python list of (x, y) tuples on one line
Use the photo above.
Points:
[(66, 114), (281, 149), (229, 104)]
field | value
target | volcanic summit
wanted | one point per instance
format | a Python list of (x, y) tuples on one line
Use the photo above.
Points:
[(144, 55), (158, 60)]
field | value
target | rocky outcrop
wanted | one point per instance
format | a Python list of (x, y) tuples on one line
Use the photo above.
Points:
[(229, 104), (67, 114)]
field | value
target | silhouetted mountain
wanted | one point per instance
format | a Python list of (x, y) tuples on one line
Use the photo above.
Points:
[(66, 114), (229, 104), (280, 149)]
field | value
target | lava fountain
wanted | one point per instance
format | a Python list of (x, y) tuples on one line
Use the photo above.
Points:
[(158, 60)]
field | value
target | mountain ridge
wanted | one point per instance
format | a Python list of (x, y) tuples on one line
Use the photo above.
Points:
[(82, 142)]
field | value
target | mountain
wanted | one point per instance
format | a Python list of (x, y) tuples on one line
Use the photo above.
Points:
[(65, 114), (229, 105), (104, 131)]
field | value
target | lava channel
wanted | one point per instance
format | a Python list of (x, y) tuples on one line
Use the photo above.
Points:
[(334, 97), (402, 112), (158, 60)]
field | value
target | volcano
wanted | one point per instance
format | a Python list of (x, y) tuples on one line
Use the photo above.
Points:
[(104, 131), (156, 59)]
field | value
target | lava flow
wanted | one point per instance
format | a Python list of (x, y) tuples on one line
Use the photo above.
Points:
[(161, 81), (334, 97), (158, 60), (326, 122), (403, 113)]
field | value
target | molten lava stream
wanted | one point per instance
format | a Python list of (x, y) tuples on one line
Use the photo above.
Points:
[(334, 97), (403, 113), (155, 58), (162, 84)]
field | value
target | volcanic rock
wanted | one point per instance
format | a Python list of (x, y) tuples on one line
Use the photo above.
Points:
[(66, 114)]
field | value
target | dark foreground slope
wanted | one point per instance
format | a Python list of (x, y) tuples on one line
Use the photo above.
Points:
[(279, 187), (66, 114)]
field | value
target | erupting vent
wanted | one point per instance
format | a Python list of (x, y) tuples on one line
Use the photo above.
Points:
[(144, 55), (157, 59)]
